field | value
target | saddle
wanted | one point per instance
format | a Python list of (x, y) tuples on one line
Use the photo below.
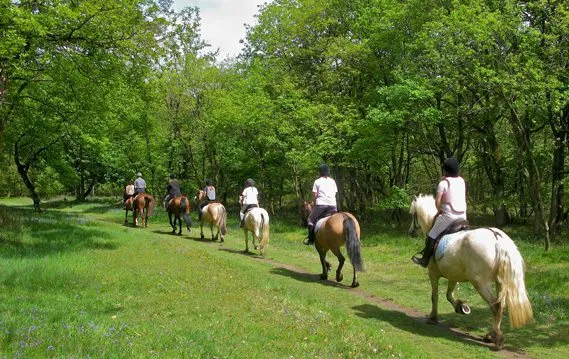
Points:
[(250, 207), (456, 226), (324, 215)]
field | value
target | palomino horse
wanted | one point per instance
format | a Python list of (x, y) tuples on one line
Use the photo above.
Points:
[(256, 221), (333, 232), (127, 207), (143, 206), (179, 207), (481, 256), (214, 214)]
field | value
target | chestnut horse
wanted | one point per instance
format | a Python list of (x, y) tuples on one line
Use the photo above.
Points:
[(256, 221), (143, 206), (179, 207), (214, 214), (333, 232), (481, 256)]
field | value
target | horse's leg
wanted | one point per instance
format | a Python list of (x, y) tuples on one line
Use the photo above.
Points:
[(341, 260), (213, 238), (495, 335), (433, 316), (126, 216), (201, 229), (459, 306), (179, 218), (246, 240), (173, 225), (325, 266)]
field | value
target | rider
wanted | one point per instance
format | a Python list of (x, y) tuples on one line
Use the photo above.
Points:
[(324, 196), (139, 184), (128, 191), (451, 204), (248, 199), (209, 190), (173, 190)]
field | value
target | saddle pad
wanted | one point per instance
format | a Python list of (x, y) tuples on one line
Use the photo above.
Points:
[(444, 243), (320, 223)]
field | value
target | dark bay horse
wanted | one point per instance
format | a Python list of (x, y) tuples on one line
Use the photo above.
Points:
[(143, 206), (214, 214), (127, 207), (483, 257), (179, 207), (333, 232)]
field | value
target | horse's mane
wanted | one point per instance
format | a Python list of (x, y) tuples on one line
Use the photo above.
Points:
[(424, 206)]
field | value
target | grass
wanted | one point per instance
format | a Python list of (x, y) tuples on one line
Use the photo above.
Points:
[(74, 281)]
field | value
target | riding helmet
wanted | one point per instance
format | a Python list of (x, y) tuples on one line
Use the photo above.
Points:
[(209, 182), (324, 170), (139, 174), (172, 176), (451, 167), (249, 182)]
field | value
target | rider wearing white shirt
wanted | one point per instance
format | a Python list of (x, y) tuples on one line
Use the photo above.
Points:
[(451, 203), (248, 199), (324, 193)]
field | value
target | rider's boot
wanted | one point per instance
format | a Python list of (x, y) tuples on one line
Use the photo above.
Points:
[(310, 240), (426, 252)]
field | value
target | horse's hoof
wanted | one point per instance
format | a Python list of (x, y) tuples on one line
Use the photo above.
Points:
[(256, 247), (324, 276), (339, 277), (488, 338), (355, 284), (202, 236), (464, 309)]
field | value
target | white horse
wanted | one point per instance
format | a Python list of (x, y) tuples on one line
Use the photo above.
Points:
[(482, 257), (256, 221)]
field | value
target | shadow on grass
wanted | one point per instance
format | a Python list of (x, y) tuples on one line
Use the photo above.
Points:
[(416, 324), (310, 277), (26, 234)]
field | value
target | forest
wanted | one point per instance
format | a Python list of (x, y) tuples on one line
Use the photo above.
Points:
[(92, 92)]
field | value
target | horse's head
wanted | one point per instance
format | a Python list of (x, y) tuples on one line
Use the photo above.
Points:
[(422, 211), (305, 209), (200, 196)]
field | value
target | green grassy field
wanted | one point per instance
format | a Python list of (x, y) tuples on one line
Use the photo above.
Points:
[(76, 282)]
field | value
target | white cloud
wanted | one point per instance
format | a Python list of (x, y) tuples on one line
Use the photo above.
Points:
[(223, 22)]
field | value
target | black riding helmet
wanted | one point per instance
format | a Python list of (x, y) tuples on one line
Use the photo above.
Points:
[(172, 176), (451, 167), (324, 170), (249, 182), (209, 182)]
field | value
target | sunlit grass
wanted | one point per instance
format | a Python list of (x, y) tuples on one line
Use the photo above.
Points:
[(75, 281)]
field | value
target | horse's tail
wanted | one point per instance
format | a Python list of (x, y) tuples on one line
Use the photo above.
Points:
[(185, 208), (353, 244), (150, 205), (222, 220), (264, 231), (510, 275)]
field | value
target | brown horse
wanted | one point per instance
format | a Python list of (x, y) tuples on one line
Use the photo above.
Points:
[(143, 205), (333, 232), (213, 213), (305, 209), (127, 207), (179, 207)]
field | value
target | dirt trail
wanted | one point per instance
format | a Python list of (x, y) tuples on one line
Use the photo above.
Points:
[(420, 317)]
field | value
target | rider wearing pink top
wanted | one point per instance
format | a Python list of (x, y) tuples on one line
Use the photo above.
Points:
[(451, 203)]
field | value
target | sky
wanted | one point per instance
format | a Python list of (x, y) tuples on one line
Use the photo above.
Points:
[(222, 24)]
